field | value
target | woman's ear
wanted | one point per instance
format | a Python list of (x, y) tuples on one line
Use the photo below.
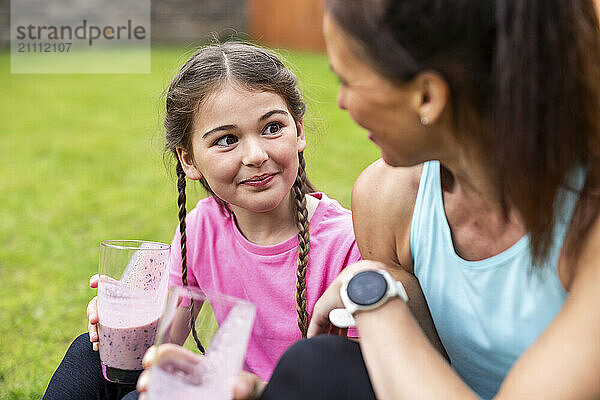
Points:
[(187, 163), (300, 136), (431, 94)]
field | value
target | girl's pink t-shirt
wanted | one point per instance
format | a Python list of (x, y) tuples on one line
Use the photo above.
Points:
[(222, 260)]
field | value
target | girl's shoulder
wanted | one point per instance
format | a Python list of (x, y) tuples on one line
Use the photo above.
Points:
[(330, 217), (207, 212), (329, 209), (333, 244)]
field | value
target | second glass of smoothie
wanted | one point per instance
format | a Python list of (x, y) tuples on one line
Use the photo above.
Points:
[(192, 322)]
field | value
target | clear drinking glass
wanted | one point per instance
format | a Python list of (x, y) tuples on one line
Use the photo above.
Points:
[(132, 291), (177, 373)]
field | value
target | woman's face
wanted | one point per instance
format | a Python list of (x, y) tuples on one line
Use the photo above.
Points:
[(386, 110)]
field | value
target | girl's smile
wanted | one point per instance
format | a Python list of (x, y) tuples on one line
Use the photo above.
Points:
[(259, 180)]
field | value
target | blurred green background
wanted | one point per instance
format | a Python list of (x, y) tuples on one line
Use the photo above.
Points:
[(81, 161)]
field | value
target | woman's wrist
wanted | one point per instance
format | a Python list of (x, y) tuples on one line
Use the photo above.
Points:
[(393, 307)]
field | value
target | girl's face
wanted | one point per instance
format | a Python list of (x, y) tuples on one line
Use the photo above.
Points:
[(388, 112), (245, 144)]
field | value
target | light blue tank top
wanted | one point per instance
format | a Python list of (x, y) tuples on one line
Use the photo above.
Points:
[(487, 312)]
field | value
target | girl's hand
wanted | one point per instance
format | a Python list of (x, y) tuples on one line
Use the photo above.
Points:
[(246, 387), (330, 299), (92, 315)]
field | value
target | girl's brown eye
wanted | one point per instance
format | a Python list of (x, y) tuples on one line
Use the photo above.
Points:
[(226, 140), (273, 128)]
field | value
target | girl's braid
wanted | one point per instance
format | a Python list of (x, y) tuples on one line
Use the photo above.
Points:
[(181, 200), (303, 244)]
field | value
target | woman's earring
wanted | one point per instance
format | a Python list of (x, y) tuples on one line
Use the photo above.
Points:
[(425, 120)]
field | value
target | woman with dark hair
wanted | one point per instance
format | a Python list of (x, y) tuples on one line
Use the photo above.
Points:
[(490, 112), (487, 114)]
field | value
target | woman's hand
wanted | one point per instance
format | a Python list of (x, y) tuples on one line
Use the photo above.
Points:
[(92, 314), (247, 386), (330, 299)]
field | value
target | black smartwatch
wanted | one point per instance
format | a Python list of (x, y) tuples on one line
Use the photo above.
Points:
[(365, 291)]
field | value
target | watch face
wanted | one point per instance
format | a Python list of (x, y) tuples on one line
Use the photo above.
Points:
[(367, 288)]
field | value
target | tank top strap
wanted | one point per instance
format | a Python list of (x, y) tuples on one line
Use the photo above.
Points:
[(420, 230)]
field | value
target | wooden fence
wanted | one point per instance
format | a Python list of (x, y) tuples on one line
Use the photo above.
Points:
[(293, 24)]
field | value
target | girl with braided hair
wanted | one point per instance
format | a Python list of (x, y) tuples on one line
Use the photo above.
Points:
[(234, 122)]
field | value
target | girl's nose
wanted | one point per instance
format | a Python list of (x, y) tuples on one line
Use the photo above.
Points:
[(254, 154)]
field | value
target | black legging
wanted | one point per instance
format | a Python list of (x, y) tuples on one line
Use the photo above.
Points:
[(79, 376), (321, 368)]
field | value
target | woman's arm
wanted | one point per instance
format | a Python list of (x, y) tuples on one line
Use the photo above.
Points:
[(402, 362), (383, 200)]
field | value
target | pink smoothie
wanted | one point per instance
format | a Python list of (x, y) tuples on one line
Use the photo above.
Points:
[(124, 348), (129, 309)]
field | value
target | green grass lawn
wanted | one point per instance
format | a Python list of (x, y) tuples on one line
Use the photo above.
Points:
[(81, 161)]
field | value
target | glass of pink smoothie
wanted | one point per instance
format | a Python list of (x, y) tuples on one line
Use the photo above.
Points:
[(222, 326), (132, 292)]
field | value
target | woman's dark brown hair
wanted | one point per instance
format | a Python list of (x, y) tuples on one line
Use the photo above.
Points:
[(524, 78), (252, 68)]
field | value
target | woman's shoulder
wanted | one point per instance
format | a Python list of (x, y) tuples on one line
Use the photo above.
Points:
[(386, 192), (387, 185), (383, 200)]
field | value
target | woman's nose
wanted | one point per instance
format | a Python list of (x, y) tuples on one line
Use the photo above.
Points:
[(254, 153), (341, 97)]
